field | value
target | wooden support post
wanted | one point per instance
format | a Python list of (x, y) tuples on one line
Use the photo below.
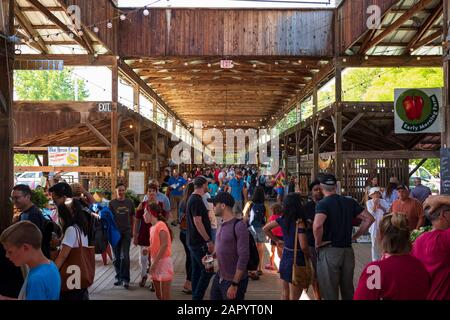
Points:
[(315, 136), (6, 129), (298, 136), (285, 155), (155, 160), (114, 127), (137, 129), (308, 146), (338, 132), (445, 138)]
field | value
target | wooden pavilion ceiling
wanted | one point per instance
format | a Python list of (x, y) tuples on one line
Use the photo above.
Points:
[(45, 27), (409, 27), (197, 88)]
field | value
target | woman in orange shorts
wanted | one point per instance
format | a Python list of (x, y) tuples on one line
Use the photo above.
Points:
[(161, 270)]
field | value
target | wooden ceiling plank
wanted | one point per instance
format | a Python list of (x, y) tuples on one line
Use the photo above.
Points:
[(28, 27), (397, 23), (427, 39), (47, 13), (431, 20)]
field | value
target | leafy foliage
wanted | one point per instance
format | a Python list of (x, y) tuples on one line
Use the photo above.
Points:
[(39, 198), (43, 85), (133, 197), (432, 165), (24, 159), (416, 233)]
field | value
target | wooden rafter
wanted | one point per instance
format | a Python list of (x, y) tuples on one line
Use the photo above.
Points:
[(369, 36), (46, 12), (426, 26), (97, 133), (402, 19), (427, 40), (31, 32)]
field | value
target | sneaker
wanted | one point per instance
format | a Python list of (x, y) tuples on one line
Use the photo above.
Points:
[(118, 283), (152, 287), (126, 285)]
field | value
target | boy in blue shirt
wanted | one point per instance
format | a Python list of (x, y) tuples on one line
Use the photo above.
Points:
[(177, 184), (22, 243), (213, 188)]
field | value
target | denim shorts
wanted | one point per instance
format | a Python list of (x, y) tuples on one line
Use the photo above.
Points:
[(258, 234)]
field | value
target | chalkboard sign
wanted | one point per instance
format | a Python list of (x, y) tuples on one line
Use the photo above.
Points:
[(445, 171)]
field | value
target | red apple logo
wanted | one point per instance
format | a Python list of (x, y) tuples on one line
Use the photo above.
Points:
[(413, 106)]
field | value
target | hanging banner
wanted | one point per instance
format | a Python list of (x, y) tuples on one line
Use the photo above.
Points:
[(445, 171), (63, 156), (136, 181), (418, 110)]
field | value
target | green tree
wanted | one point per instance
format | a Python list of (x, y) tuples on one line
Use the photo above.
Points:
[(378, 84), (432, 165), (24, 159), (42, 85)]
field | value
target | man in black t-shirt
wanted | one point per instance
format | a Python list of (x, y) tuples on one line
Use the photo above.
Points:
[(21, 197), (333, 236), (123, 211), (199, 237)]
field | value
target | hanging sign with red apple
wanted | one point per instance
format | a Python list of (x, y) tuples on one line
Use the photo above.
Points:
[(418, 110)]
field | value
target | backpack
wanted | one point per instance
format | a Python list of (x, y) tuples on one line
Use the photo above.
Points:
[(259, 217), (98, 235), (262, 180), (49, 227), (253, 260)]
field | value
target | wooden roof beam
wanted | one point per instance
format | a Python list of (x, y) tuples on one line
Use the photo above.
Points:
[(397, 23), (427, 40), (431, 20), (28, 28), (97, 133), (34, 9), (46, 12), (391, 61), (72, 59), (129, 73)]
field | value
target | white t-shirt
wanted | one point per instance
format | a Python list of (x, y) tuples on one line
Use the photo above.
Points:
[(71, 238), (378, 214)]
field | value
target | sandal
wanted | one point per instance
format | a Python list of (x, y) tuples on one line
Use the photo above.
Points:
[(253, 276), (186, 291), (152, 287), (143, 281), (259, 273), (269, 267)]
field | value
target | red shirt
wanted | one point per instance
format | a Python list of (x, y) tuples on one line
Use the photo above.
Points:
[(216, 174), (433, 249), (144, 228), (276, 231), (401, 277)]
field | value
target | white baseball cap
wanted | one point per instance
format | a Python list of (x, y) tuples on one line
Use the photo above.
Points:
[(373, 190)]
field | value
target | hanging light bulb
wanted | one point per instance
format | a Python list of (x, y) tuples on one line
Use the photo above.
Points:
[(123, 17), (109, 25), (146, 12), (96, 29)]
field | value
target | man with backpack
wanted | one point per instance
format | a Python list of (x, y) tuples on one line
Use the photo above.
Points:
[(232, 252)]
